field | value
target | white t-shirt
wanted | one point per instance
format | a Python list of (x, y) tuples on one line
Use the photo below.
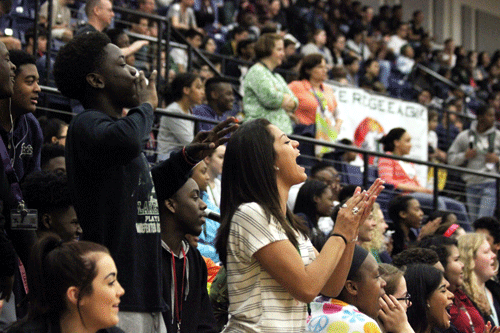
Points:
[(257, 303)]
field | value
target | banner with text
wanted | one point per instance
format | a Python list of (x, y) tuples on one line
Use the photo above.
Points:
[(367, 117)]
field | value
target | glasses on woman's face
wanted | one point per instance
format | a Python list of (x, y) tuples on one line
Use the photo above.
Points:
[(407, 299)]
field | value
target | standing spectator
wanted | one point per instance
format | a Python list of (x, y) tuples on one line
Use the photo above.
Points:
[(317, 44), (174, 133), (104, 155), (314, 96), (99, 16), (266, 93), (220, 99), (61, 18), (478, 148), (260, 240)]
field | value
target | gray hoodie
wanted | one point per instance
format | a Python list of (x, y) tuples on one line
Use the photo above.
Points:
[(456, 153)]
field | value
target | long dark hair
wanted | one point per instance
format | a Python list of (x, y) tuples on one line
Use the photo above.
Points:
[(421, 280), (393, 135), (397, 205), (248, 175), (305, 203), (54, 267)]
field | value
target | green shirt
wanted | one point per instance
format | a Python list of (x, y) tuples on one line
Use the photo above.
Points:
[(263, 96)]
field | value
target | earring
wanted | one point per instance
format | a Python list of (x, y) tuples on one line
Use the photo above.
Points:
[(277, 169), (428, 305)]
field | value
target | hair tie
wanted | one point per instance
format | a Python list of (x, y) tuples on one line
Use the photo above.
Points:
[(451, 230)]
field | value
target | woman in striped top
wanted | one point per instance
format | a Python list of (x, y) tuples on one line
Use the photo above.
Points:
[(272, 268)]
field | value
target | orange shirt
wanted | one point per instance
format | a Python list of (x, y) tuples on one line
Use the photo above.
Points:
[(308, 104)]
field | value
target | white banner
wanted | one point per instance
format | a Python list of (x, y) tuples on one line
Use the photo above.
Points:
[(367, 117)]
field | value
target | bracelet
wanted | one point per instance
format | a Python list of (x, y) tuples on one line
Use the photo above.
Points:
[(188, 159), (341, 236)]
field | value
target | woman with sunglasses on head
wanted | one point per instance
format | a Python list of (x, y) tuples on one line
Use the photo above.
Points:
[(273, 270), (73, 288)]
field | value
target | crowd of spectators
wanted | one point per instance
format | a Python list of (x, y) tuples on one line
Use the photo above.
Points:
[(204, 236)]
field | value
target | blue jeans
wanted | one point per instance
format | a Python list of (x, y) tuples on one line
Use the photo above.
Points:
[(481, 199)]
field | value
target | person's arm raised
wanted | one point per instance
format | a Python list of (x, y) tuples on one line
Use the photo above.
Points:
[(283, 262)]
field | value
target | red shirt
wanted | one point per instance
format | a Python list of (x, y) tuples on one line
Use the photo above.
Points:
[(463, 312)]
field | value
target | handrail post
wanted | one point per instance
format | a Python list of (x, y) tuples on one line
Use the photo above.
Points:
[(436, 190), (159, 64), (365, 170)]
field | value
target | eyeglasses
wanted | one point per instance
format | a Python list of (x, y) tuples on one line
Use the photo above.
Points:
[(407, 299)]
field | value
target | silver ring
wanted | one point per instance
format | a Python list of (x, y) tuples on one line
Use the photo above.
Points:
[(344, 206), (355, 210)]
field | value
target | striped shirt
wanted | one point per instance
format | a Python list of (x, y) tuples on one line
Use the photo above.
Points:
[(257, 302)]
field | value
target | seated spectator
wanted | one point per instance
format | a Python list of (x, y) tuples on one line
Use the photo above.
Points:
[(214, 163), (366, 230), (120, 38), (435, 154), (208, 45), (403, 175), (147, 6), (317, 44), (447, 57), (417, 255), (174, 133), (238, 69), (357, 45), (207, 15), (41, 41), (360, 296), (446, 129), (73, 286), (52, 158), (479, 269), (54, 130), (180, 56), (379, 245), (181, 16), (417, 31), (206, 239), (99, 14), (220, 98), (143, 57), (314, 200), (48, 192), (61, 18), (406, 216), (370, 80), (490, 227), (237, 35), (352, 67), (430, 298), (392, 317), (400, 39), (464, 315), (17, 123), (405, 60), (266, 93), (290, 47), (448, 226)]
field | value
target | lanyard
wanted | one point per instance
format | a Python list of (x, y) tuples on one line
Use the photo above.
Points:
[(178, 302)]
